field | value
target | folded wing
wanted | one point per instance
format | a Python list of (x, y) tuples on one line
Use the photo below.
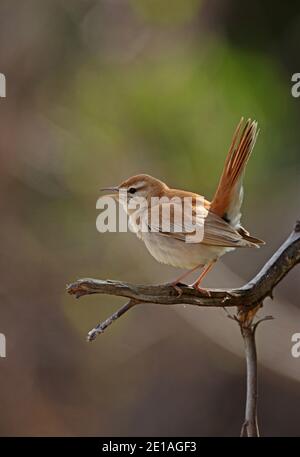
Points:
[(195, 226)]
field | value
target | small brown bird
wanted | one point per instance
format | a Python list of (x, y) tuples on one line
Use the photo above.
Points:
[(220, 221)]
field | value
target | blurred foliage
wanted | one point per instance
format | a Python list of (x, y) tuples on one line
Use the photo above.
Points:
[(176, 114), (167, 12)]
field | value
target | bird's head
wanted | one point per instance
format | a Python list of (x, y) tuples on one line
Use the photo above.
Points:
[(138, 187)]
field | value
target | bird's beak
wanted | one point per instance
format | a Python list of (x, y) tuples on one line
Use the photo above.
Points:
[(114, 189), (110, 189)]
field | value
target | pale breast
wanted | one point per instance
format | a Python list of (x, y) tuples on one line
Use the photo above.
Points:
[(179, 253)]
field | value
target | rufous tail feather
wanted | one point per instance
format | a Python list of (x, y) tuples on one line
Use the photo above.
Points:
[(228, 197)]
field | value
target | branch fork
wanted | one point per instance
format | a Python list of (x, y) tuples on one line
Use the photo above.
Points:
[(247, 299)]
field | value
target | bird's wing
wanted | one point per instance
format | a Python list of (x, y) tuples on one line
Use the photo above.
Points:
[(229, 195), (197, 226)]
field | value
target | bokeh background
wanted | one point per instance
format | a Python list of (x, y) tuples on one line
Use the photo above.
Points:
[(98, 90)]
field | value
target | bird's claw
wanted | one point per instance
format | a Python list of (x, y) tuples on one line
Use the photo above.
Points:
[(178, 290), (176, 287), (201, 290)]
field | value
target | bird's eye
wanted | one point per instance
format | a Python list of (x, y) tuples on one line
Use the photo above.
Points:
[(132, 190)]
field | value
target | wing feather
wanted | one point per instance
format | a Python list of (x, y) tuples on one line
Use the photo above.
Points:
[(214, 230)]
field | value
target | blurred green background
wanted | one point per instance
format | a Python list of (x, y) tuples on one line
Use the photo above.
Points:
[(99, 90)]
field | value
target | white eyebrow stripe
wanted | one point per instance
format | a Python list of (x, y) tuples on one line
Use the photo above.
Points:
[(139, 185)]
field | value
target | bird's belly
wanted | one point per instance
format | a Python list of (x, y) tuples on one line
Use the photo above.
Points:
[(180, 254)]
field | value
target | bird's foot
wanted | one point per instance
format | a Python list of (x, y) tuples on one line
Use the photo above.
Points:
[(176, 286), (201, 290)]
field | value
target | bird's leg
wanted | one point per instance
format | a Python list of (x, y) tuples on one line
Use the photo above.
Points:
[(177, 281), (199, 279), (186, 273)]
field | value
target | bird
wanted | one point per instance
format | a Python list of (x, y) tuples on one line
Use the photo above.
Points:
[(218, 220)]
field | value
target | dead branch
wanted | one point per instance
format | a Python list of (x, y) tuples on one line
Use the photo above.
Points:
[(248, 296), (248, 299)]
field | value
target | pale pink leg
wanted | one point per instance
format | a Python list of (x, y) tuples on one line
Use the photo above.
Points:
[(203, 273), (176, 281)]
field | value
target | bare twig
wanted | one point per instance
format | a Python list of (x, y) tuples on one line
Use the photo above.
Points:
[(103, 325), (248, 299)]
